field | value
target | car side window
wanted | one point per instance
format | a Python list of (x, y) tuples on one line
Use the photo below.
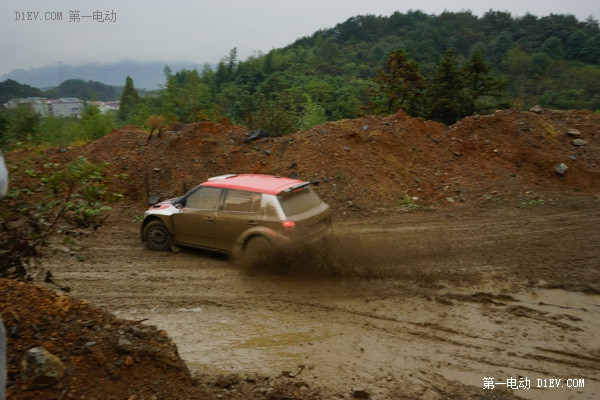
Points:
[(205, 198), (241, 201)]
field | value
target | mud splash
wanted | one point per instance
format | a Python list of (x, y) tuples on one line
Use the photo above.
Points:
[(423, 258)]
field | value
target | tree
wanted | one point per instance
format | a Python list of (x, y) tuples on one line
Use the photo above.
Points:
[(592, 50), (268, 64), (493, 22), (59, 131), (576, 45), (479, 83), (276, 115), (237, 100), (313, 114), (156, 123), (19, 124), (94, 124), (129, 99), (565, 99), (400, 85), (500, 45), (231, 60), (540, 63), (553, 46), (448, 97), (185, 98), (517, 64)]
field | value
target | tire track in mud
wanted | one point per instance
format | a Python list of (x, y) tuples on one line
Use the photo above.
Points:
[(462, 339), (458, 344), (410, 306)]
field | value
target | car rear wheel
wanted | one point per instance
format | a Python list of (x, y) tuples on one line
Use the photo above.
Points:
[(156, 236), (258, 252)]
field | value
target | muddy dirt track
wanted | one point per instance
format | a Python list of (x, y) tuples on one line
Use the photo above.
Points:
[(425, 304)]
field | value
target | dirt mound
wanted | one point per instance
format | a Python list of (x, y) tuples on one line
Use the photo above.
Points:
[(374, 163), (101, 353), (104, 357), (516, 153)]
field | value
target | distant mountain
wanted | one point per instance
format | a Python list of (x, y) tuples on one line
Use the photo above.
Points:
[(145, 75)]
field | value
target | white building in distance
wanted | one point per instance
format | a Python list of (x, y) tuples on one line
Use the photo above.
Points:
[(63, 107)]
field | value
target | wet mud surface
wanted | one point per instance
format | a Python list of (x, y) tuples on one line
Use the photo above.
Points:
[(419, 305)]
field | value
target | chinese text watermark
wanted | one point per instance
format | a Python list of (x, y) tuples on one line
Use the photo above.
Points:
[(520, 382), (73, 16)]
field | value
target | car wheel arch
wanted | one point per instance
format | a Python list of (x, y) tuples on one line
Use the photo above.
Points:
[(249, 234), (151, 218), (165, 221)]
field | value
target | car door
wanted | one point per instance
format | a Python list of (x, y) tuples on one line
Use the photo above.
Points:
[(240, 212), (194, 224)]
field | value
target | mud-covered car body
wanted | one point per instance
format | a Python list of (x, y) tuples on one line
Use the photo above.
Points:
[(227, 212)]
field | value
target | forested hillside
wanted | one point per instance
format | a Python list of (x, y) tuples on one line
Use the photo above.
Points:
[(10, 89), (84, 90), (438, 67), (89, 90), (337, 73)]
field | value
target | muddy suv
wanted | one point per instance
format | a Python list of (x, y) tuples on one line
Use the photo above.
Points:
[(244, 215)]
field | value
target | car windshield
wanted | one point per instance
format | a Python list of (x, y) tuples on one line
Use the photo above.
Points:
[(298, 201)]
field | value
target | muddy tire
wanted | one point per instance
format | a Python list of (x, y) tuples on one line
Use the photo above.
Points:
[(257, 253), (157, 237)]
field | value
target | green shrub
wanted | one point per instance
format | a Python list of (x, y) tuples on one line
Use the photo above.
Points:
[(46, 197)]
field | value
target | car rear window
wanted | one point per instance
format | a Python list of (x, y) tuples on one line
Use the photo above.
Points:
[(299, 201)]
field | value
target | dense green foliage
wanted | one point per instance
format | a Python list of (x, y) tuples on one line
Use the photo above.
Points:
[(22, 125), (441, 67), (46, 198)]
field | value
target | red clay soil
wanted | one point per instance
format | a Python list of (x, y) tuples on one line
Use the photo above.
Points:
[(85, 338), (371, 164)]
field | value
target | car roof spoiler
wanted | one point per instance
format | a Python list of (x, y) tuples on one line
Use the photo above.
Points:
[(214, 178), (301, 185)]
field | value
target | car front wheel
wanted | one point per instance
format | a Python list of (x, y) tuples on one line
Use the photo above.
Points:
[(157, 237)]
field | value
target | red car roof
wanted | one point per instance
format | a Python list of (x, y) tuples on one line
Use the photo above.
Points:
[(267, 184)]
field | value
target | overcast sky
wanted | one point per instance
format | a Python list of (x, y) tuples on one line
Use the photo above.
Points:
[(201, 31)]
